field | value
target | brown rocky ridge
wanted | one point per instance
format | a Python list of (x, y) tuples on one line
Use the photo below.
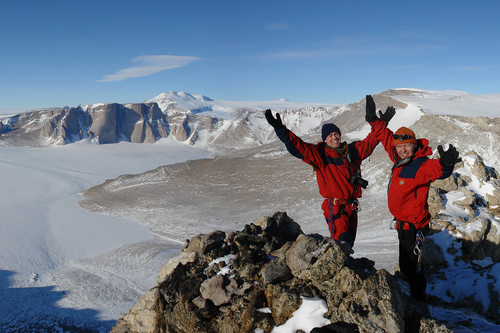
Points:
[(221, 281)]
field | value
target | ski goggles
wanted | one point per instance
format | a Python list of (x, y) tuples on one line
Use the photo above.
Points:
[(401, 137)]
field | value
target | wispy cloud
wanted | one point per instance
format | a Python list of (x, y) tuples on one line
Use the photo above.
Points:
[(277, 26), (475, 68), (147, 65), (314, 54), (390, 45)]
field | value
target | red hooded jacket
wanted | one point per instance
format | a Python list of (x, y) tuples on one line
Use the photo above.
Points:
[(332, 170), (410, 180)]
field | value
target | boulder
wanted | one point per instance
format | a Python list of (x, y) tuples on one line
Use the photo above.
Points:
[(269, 267), (275, 271)]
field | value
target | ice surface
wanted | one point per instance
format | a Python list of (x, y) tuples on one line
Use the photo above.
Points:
[(61, 262)]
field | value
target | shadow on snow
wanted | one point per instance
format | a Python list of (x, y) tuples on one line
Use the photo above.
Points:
[(35, 309)]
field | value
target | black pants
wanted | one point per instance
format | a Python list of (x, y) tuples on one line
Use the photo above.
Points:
[(408, 262)]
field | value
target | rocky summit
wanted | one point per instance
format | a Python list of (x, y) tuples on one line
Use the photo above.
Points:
[(255, 279)]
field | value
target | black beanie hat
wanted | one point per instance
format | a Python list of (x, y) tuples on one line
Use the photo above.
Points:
[(327, 129)]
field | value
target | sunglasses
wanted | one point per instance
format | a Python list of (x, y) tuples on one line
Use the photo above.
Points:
[(401, 137)]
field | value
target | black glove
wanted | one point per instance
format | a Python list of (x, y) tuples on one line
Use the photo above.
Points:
[(448, 158), (388, 114), (274, 122), (370, 109)]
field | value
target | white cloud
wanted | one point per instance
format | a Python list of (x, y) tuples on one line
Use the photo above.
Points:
[(149, 64), (314, 54), (398, 44), (277, 26)]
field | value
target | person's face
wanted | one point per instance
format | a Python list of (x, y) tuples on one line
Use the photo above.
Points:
[(333, 140), (406, 150)]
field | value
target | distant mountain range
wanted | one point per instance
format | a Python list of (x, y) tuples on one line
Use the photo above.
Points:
[(226, 126), (193, 119)]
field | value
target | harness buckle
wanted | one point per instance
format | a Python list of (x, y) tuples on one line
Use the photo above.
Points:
[(353, 203), (419, 239), (337, 201)]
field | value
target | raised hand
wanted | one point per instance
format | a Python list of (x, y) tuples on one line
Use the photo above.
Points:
[(388, 114), (448, 158), (370, 109), (274, 122)]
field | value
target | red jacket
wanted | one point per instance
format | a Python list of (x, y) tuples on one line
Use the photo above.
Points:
[(332, 170), (410, 180)]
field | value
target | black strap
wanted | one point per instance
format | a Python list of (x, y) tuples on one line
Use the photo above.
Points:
[(339, 214), (412, 231)]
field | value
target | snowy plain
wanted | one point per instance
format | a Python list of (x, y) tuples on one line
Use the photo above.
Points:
[(46, 237), (453, 102), (68, 270)]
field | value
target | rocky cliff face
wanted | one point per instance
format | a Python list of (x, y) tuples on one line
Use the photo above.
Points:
[(255, 279), (221, 128), (104, 123), (479, 207), (137, 123), (465, 242)]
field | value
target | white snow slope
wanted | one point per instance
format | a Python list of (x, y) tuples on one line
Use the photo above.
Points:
[(196, 103), (61, 266), (64, 269), (451, 102)]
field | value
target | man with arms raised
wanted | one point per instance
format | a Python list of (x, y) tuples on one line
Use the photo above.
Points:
[(338, 173), (411, 175)]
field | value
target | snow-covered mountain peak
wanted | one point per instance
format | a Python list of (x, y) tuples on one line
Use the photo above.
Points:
[(448, 102), (182, 100), (182, 95), (177, 101)]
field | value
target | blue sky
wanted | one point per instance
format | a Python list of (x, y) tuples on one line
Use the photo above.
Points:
[(58, 53)]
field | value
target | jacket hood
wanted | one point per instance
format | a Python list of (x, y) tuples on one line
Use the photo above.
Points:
[(423, 149)]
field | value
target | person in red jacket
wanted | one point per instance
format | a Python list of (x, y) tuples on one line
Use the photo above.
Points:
[(411, 175), (338, 173)]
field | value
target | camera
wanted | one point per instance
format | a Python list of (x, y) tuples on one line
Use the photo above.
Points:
[(357, 180)]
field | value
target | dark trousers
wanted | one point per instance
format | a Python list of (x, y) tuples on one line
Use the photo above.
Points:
[(408, 262)]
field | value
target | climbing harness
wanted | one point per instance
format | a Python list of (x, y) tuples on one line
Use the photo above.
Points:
[(354, 204), (419, 240)]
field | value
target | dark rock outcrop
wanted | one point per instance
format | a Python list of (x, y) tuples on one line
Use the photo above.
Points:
[(257, 278)]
